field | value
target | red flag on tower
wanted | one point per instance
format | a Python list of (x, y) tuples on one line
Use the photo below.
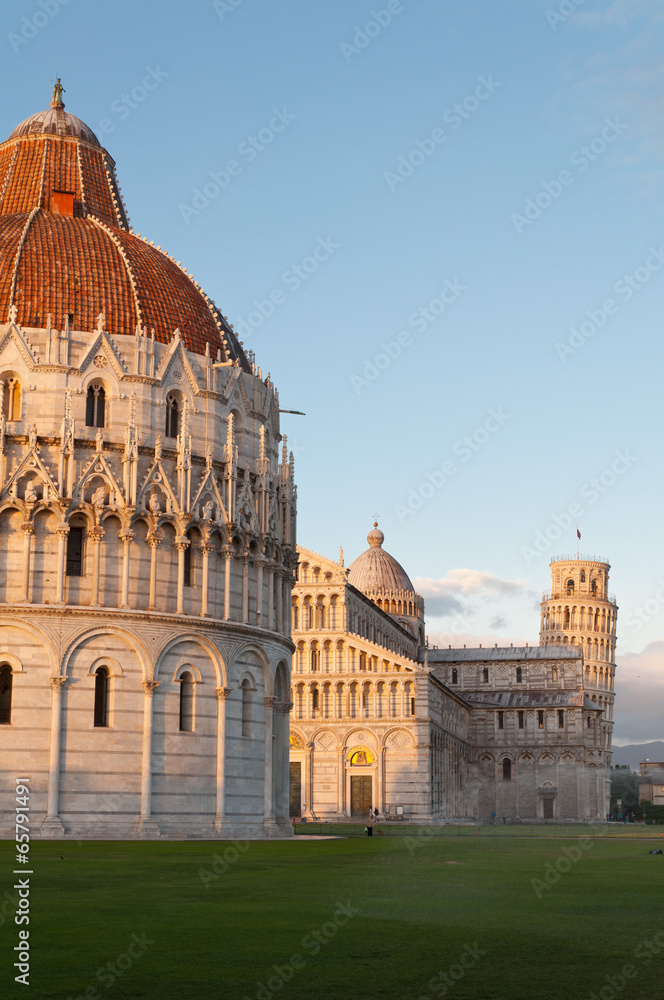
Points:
[(578, 533)]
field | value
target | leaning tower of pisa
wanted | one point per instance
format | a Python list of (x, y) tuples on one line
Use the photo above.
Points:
[(580, 611)]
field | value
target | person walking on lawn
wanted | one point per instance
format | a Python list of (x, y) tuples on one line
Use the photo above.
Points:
[(370, 823)]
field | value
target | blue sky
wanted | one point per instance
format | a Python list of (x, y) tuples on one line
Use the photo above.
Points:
[(439, 227)]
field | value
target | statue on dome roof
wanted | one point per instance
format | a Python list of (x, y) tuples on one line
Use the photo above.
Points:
[(58, 91)]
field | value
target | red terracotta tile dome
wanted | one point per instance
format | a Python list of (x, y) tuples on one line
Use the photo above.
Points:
[(67, 250)]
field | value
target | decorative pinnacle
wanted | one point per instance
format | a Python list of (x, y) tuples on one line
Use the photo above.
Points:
[(58, 91)]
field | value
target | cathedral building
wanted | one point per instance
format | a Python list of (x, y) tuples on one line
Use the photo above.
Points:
[(379, 719), (147, 522), (370, 725)]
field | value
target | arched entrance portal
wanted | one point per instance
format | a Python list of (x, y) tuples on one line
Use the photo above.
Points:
[(297, 751), (361, 767)]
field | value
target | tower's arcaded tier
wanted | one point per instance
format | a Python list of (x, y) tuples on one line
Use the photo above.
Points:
[(147, 522), (580, 611)]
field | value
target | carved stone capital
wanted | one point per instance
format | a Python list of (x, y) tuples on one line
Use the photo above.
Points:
[(223, 693), (57, 683), (150, 687), (269, 701)]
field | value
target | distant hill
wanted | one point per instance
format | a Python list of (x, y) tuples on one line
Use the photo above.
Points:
[(634, 753)]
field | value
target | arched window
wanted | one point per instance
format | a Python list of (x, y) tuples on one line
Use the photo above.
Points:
[(172, 416), (95, 406), (593, 586), (11, 401), (583, 576), (570, 587), (6, 680), (455, 675), (246, 707), (507, 770), (519, 675), (102, 684), (186, 703)]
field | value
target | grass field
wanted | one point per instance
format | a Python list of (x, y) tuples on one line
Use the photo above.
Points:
[(407, 917)]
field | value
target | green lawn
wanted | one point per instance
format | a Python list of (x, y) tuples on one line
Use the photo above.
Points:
[(410, 911)]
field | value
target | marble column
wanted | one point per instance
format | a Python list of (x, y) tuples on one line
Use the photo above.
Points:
[(380, 778), (206, 549), (309, 780), (52, 825), (62, 533), (268, 791), (146, 825), (127, 537), (29, 530), (96, 534), (228, 555), (220, 811), (181, 545), (342, 782)]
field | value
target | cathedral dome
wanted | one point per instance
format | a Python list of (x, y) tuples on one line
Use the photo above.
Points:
[(56, 121), (376, 571), (68, 252)]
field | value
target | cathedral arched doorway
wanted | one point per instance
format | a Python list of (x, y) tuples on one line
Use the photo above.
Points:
[(361, 794), (295, 775), (361, 767)]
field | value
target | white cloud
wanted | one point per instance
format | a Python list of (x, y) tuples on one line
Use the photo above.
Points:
[(638, 714), (449, 595), (623, 77), (622, 13)]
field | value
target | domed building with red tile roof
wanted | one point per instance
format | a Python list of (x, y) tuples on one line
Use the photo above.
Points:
[(147, 522)]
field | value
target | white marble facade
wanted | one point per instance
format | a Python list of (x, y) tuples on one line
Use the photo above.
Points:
[(159, 556)]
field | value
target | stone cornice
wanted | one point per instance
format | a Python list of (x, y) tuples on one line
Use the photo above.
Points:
[(184, 623)]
